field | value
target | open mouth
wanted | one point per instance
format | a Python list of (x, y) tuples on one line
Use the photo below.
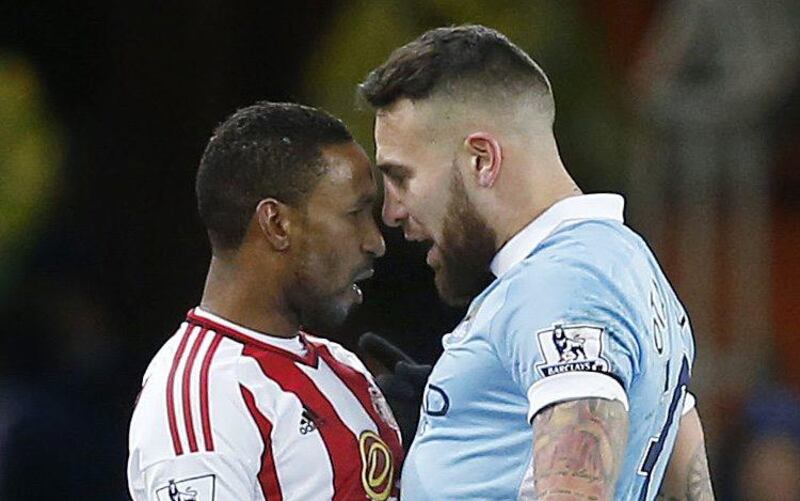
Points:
[(429, 249), (364, 275), (425, 245), (421, 245)]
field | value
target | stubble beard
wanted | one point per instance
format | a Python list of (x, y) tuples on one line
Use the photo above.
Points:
[(467, 249)]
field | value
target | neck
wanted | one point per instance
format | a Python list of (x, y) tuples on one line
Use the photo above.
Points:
[(531, 203), (235, 292)]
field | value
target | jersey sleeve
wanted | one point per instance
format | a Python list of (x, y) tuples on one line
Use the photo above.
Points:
[(689, 403), (178, 450), (207, 476), (563, 334)]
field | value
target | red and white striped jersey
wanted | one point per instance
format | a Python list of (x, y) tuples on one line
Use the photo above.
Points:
[(227, 413)]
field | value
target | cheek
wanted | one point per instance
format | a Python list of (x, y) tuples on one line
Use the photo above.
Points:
[(422, 199), (320, 273), (431, 211), (329, 254)]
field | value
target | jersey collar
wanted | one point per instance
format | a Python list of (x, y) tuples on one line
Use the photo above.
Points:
[(572, 209), (282, 346)]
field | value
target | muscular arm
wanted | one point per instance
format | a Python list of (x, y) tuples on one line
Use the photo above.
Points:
[(578, 448), (687, 477)]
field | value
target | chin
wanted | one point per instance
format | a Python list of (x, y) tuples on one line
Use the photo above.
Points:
[(447, 292), (458, 290), (325, 317)]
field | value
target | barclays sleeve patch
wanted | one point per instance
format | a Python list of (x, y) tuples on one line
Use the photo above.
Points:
[(200, 488), (568, 348)]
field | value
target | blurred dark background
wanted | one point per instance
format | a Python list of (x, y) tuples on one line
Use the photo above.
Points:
[(688, 108)]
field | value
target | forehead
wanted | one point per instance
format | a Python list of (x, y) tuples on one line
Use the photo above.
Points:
[(397, 129), (348, 173)]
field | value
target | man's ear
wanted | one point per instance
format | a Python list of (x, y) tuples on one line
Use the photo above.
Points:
[(274, 221), (486, 157)]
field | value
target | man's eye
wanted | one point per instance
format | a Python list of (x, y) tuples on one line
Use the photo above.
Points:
[(390, 173), (396, 178), (357, 212)]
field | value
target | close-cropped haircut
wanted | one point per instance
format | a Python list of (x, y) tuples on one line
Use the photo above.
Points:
[(267, 150), (454, 59)]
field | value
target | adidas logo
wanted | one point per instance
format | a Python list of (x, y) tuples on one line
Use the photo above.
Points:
[(308, 422)]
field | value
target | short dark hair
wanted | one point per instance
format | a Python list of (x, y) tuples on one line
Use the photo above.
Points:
[(447, 58), (267, 150)]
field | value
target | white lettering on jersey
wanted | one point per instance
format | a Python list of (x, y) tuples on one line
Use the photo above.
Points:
[(659, 316)]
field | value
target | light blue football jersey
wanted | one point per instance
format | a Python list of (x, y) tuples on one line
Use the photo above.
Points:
[(580, 309)]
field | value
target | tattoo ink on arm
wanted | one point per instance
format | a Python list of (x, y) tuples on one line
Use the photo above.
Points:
[(687, 477), (578, 449)]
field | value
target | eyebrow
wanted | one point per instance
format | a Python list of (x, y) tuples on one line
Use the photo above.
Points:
[(391, 168)]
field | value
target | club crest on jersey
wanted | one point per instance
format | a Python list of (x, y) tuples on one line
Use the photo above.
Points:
[(377, 466), (568, 348), (190, 489)]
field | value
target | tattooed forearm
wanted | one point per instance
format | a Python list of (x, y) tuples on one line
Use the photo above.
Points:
[(698, 485), (578, 449), (687, 477)]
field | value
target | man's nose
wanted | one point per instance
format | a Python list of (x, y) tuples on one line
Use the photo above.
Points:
[(394, 212), (373, 242)]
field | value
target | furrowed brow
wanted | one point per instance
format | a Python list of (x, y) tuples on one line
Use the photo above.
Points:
[(393, 169)]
